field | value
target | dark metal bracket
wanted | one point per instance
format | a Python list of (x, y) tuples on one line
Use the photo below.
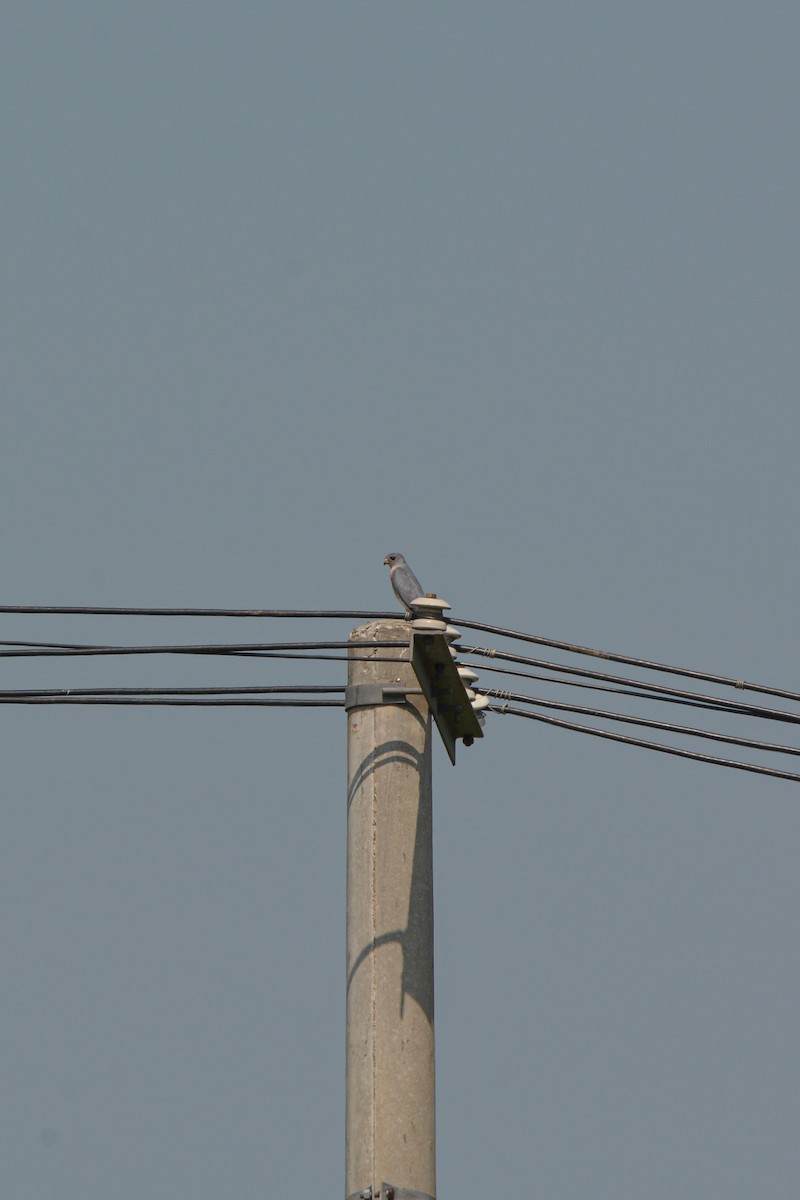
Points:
[(444, 689), (390, 1192), (367, 695)]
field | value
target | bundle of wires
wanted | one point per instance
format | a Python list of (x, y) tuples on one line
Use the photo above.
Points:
[(501, 662)]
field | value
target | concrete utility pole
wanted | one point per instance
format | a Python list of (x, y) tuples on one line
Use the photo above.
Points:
[(390, 1124)]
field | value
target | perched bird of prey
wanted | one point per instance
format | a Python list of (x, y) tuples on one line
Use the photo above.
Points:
[(405, 583)]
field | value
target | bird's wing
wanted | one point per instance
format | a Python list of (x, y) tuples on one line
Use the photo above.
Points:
[(406, 585)]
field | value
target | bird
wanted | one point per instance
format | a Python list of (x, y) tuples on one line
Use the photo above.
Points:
[(404, 582)]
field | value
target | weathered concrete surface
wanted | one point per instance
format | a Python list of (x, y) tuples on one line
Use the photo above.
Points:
[(391, 1130)]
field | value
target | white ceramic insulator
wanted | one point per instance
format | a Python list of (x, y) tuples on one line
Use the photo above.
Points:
[(480, 702), (428, 625)]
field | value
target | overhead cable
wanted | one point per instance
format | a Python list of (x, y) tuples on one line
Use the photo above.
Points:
[(295, 656), (743, 707), (291, 689), (668, 727), (47, 645), (251, 648), (621, 737), (360, 614), (719, 706), (644, 663), (292, 613), (177, 701)]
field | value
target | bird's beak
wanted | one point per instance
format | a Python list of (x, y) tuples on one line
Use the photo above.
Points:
[(386, 562)]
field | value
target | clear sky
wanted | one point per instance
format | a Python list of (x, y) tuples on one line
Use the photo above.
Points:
[(512, 289)]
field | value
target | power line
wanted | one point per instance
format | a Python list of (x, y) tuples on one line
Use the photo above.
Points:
[(32, 693), (644, 663), (359, 614), (231, 653), (254, 649), (621, 737), (301, 650), (757, 710), (292, 613), (720, 706), (224, 650), (176, 701), (47, 645), (751, 744)]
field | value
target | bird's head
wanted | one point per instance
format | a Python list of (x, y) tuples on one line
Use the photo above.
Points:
[(393, 560)]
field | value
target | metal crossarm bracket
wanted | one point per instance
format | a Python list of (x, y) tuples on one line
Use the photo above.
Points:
[(444, 689), (390, 1192), (365, 695)]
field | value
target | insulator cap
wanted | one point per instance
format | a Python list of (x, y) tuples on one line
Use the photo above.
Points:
[(429, 606)]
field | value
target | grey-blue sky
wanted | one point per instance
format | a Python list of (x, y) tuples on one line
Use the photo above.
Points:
[(512, 290)]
